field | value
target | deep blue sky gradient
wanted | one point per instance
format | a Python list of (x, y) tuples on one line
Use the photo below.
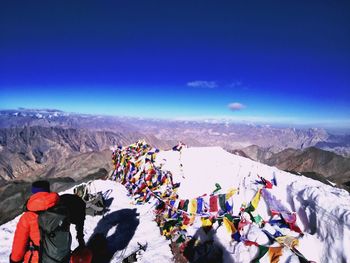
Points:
[(285, 61)]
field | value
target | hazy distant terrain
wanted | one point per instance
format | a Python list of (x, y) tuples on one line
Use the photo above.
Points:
[(40, 142), (25, 151), (228, 134), (69, 147)]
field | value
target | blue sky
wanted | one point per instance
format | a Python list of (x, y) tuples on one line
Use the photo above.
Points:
[(275, 62)]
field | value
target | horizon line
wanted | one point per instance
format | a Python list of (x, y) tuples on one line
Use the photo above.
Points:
[(273, 121)]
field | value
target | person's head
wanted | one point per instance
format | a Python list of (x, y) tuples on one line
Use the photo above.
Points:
[(40, 186)]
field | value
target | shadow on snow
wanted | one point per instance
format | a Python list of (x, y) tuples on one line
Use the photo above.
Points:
[(103, 243)]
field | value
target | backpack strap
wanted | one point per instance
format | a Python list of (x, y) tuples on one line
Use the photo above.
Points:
[(32, 248)]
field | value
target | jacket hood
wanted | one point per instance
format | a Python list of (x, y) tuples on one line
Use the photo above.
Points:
[(42, 201)]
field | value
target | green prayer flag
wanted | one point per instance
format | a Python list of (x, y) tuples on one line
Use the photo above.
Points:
[(218, 188), (249, 209), (257, 219), (222, 200), (229, 217), (185, 207), (180, 239), (262, 251)]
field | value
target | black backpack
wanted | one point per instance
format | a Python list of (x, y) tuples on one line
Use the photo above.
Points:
[(55, 237), (95, 205)]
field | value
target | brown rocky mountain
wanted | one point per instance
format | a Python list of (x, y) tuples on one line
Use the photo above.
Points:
[(225, 133), (64, 156), (312, 160), (36, 142), (255, 153), (67, 148), (27, 151), (334, 167)]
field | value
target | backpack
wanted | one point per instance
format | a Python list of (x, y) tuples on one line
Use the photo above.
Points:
[(82, 191), (55, 237), (95, 203)]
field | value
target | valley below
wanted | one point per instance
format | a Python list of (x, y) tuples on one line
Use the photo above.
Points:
[(68, 148)]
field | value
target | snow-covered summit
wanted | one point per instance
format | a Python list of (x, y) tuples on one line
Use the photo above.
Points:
[(322, 211)]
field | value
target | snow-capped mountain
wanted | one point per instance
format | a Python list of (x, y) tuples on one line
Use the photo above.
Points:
[(322, 212)]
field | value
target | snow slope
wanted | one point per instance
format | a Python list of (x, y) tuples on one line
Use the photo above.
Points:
[(323, 212), (125, 223)]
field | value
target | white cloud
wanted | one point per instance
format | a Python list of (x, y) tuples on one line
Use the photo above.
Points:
[(202, 84), (236, 106)]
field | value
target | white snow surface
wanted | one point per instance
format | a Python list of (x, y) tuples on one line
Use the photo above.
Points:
[(323, 212), (158, 249)]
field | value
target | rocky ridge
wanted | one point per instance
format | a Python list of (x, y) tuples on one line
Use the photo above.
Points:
[(311, 161)]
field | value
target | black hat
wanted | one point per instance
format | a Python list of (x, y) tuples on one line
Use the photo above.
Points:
[(40, 186)]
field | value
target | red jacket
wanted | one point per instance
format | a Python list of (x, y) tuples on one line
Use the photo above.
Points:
[(28, 229)]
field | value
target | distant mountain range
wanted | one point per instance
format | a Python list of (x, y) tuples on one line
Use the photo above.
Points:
[(31, 150), (67, 148), (312, 162), (224, 133), (33, 142)]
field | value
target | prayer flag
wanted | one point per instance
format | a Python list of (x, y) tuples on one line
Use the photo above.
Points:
[(274, 254), (213, 203), (230, 193), (199, 205), (218, 188), (192, 208), (185, 207), (287, 241), (206, 222), (262, 251), (222, 199), (229, 206), (256, 199), (229, 226)]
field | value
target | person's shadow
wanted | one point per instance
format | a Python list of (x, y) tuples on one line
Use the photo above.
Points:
[(104, 244), (209, 249)]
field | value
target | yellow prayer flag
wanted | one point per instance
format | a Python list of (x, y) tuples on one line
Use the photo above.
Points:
[(206, 222), (192, 219), (256, 199), (230, 193), (229, 226), (192, 207), (288, 241), (183, 227)]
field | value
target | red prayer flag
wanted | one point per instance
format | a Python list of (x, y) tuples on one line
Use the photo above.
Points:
[(213, 203), (250, 243)]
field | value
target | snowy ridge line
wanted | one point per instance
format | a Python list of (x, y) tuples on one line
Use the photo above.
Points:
[(205, 204), (326, 238), (142, 186), (317, 208)]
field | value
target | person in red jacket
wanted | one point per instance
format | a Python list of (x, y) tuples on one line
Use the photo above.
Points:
[(25, 247)]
